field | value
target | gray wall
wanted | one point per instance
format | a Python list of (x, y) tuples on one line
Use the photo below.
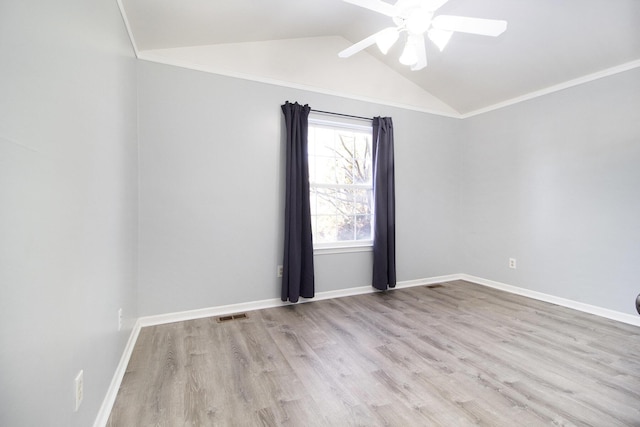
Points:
[(68, 205), (555, 183), (552, 182), (211, 191)]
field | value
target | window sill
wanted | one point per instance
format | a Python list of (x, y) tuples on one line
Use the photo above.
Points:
[(368, 247)]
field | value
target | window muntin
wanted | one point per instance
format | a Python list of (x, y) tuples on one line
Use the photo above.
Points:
[(341, 185)]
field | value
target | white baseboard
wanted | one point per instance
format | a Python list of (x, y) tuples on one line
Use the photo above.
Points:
[(429, 281), (587, 308), (107, 405), (277, 302)]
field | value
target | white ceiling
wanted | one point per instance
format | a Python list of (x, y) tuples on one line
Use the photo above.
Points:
[(547, 43)]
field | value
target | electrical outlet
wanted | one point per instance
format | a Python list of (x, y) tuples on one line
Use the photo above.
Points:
[(280, 271), (512, 263), (79, 388), (119, 319)]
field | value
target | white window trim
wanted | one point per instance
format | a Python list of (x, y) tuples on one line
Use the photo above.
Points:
[(345, 125), (346, 246)]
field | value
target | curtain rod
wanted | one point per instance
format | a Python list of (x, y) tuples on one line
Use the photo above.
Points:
[(342, 115)]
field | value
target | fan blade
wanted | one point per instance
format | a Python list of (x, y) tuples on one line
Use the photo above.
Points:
[(362, 44), (422, 54), (375, 5), (483, 27), (433, 5)]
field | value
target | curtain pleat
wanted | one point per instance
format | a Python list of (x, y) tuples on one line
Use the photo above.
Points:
[(384, 239), (298, 275)]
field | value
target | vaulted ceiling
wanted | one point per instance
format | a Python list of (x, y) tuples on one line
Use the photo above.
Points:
[(548, 45)]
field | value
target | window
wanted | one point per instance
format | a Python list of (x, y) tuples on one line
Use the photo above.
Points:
[(341, 186)]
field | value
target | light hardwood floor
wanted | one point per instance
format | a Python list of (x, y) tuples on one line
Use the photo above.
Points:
[(456, 355)]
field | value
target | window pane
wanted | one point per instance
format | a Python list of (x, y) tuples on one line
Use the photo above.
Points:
[(363, 201), (346, 228), (363, 227), (341, 186), (323, 141), (341, 156), (342, 213), (362, 160), (326, 229), (344, 156), (327, 201)]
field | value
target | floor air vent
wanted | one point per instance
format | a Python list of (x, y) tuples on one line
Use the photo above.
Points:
[(230, 317)]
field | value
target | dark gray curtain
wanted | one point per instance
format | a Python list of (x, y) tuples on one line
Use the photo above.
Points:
[(297, 277), (384, 237)]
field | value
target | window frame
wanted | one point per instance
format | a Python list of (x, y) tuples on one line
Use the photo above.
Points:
[(345, 246)]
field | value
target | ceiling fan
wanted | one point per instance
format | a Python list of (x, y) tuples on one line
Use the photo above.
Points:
[(415, 17)]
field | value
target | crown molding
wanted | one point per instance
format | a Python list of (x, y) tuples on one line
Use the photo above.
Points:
[(128, 27), (556, 88)]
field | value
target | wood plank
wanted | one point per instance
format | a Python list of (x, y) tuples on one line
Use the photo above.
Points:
[(459, 354)]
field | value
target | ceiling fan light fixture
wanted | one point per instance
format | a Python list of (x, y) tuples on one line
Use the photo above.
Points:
[(416, 18), (409, 54), (419, 21), (440, 37), (387, 38)]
